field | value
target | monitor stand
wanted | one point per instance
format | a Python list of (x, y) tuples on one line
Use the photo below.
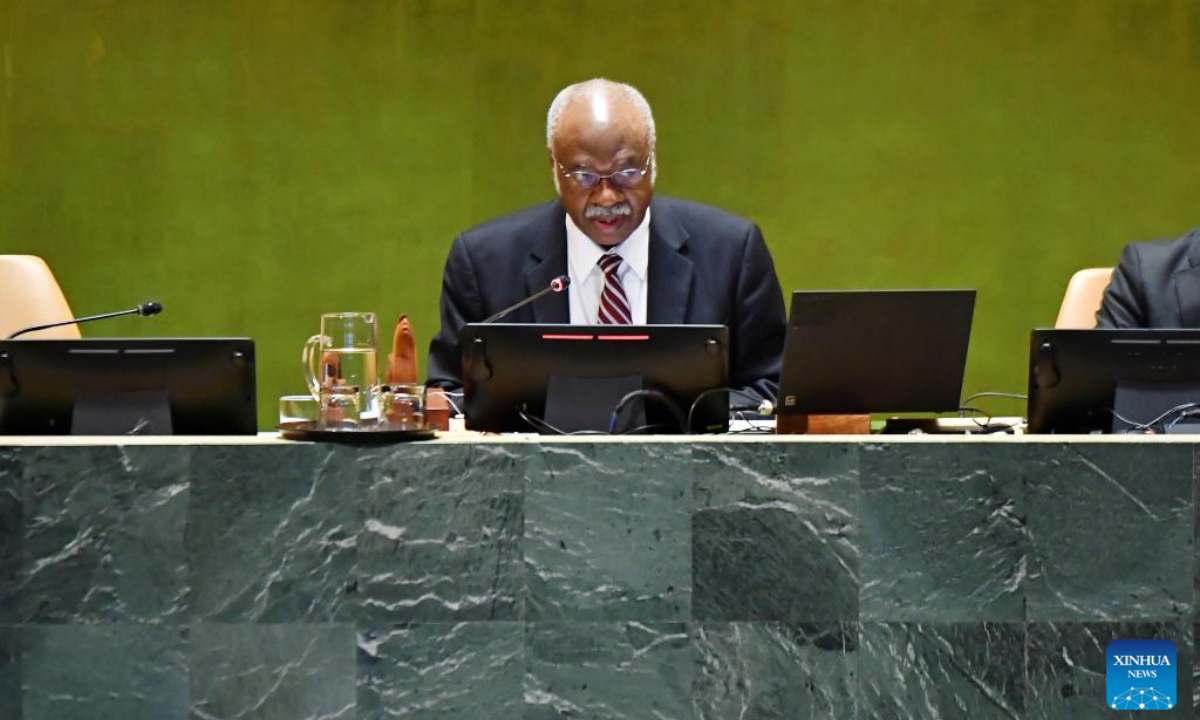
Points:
[(1144, 401), (586, 404), (823, 425), (121, 413)]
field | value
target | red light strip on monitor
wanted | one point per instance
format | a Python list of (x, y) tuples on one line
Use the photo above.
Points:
[(623, 337), (568, 337)]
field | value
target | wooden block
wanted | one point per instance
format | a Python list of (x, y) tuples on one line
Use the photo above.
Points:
[(823, 425), (437, 409)]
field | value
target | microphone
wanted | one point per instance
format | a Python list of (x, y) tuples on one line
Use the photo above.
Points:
[(556, 285), (146, 309)]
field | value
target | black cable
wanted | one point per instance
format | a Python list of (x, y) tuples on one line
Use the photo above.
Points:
[(1184, 407), (539, 424), (685, 422), (987, 425), (964, 406), (752, 429), (1011, 396), (1135, 426), (643, 428), (663, 399), (1182, 416), (711, 391), (975, 412), (990, 393)]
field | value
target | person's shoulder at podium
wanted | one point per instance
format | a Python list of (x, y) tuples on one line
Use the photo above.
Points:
[(1156, 284)]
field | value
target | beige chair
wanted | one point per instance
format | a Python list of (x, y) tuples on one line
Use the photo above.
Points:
[(1082, 299), (29, 295)]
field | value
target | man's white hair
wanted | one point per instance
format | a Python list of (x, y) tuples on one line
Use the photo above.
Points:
[(588, 89)]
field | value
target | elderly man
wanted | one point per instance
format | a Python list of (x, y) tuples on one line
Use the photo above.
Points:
[(1156, 285), (632, 257)]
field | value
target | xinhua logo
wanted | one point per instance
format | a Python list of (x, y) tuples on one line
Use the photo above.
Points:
[(1141, 675)]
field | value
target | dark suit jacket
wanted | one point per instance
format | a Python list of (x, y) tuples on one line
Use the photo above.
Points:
[(1156, 285), (705, 267)]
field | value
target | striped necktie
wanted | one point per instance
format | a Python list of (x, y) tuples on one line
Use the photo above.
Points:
[(614, 306)]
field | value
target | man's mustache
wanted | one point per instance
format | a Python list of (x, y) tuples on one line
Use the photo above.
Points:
[(609, 212)]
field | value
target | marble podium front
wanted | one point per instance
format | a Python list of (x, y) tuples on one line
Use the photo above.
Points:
[(539, 578)]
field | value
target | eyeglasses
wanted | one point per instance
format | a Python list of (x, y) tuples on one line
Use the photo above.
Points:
[(624, 179)]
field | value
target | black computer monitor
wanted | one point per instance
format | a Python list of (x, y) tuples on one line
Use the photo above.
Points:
[(509, 371), (193, 386), (1074, 377), (865, 351)]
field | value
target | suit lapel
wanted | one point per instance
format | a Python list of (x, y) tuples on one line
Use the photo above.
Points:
[(669, 271), (548, 260), (1187, 289)]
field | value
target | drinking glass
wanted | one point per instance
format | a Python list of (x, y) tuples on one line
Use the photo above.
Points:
[(340, 407), (298, 408), (402, 405)]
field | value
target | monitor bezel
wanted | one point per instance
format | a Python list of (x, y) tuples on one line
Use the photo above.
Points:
[(677, 360), (1091, 362), (210, 383)]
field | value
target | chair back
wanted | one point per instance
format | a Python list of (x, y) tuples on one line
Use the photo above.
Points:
[(29, 295), (1082, 299)]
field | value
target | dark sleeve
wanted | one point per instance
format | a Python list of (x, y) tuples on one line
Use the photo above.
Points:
[(460, 305), (1124, 303), (759, 323)]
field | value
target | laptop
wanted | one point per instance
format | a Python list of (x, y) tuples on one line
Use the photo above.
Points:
[(864, 351)]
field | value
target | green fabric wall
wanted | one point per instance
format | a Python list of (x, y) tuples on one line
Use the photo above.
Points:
[(252, 164)]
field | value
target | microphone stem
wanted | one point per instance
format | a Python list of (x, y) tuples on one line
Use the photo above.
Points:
[(77, 321), (523, 303)]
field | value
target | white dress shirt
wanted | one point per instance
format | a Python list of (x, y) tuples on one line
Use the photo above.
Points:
[(587, 279)]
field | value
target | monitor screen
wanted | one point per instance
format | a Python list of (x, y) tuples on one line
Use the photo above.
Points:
[(193, 386), (510, 369), (1074, 377), (865, 351)]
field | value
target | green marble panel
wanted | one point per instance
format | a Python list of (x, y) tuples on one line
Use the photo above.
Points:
[(944, 536), (272, 532), (1196, 537), (1067, 663), (442, 671), (106, 551), (1111, 532), (104, 672), (608, 533), (1195, 668), (942, 670), (11, 481), (10, 672), (775, 535), (609, 671), (104, 534), (442, 535), (272, 672), (765, 671)]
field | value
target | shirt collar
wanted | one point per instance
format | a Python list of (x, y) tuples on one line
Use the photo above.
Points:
[(583, 253)]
